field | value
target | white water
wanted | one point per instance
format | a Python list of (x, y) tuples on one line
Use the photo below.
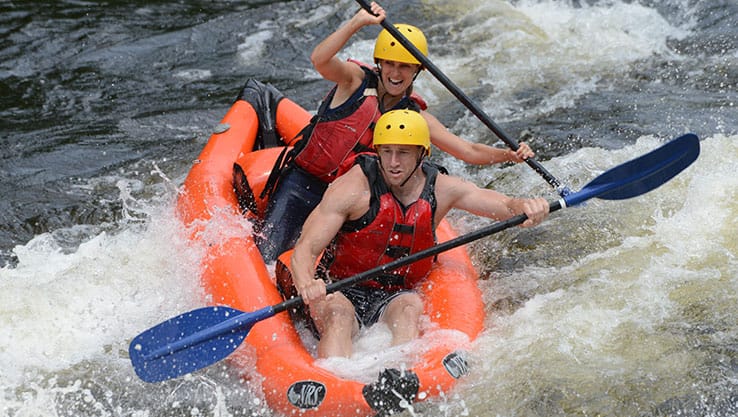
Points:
[(598, 324), (62, 312), (610, 332), (558, 51), (618, 307)]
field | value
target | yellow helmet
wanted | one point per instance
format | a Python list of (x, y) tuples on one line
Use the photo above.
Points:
[(402, 127), (387, 47)]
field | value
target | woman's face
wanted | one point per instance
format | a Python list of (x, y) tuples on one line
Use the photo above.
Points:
[(397, 77)]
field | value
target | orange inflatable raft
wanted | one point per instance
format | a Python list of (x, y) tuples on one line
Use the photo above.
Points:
[(234, 274)]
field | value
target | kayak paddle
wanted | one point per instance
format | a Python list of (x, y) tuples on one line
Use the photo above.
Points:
[(201, 337), (464, 99)]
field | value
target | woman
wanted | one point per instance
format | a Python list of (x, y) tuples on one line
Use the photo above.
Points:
[(344, 123)]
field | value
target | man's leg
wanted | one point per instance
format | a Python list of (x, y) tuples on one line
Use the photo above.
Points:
[(402, 316), (336, 322)]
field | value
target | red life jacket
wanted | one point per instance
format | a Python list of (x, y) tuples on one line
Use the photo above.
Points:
[(386, 232), (337, 134)]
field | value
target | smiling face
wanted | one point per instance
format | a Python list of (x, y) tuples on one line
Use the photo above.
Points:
[(397, 77)]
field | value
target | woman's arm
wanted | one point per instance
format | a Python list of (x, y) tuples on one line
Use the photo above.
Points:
[(473, 153), (324, 56)]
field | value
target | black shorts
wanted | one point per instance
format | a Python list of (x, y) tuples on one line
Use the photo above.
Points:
[(369, 302)]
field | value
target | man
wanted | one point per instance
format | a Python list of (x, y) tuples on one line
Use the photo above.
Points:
[(386, 206), (343, 126)]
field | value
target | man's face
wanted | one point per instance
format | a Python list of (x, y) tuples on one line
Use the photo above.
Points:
[(398, 161)]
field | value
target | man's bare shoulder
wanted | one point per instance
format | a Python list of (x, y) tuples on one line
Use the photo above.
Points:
[(349, 193), (352, 178)]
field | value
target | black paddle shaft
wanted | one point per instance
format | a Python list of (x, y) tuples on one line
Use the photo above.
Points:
[(432, 251), (473, 107)]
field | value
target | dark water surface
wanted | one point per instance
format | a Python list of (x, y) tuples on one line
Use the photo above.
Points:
[(616, 309)]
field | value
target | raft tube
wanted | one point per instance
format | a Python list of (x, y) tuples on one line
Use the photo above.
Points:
[(234, 275)]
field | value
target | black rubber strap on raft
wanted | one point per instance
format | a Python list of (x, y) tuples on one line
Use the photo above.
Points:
[(392, 391), (244, 193), (264, 98)]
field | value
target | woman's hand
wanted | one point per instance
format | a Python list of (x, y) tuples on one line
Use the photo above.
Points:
[(524, 152), (364, 18)]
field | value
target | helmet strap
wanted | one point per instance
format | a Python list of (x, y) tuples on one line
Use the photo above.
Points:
[(417, 164)]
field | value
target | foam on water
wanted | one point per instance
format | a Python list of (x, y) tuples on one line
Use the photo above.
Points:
[(594, 334), (60, 308), (373, 352), (252, 47), (615, 308), (550, 51)]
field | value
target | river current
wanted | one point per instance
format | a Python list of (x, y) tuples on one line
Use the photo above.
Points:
[(616, 308)]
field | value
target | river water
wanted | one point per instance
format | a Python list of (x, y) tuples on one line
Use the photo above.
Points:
[(623, 308)]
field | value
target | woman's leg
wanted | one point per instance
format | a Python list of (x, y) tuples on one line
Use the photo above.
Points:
[(295, 197)]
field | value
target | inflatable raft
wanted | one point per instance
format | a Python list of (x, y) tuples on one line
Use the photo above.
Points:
[(234, 275)]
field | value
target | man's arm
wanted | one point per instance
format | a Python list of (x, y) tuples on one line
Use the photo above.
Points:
[(454, 192), (341, 201)]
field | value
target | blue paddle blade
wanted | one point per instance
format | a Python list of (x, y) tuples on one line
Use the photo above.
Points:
[(190, 341), (642, 174)]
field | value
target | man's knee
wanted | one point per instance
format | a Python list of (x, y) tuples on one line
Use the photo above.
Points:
[(404, 308), (338, 309), (410, 303), (334, 313)]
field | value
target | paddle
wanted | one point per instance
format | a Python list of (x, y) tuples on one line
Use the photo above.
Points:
[(204, 336), (463, 98)]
